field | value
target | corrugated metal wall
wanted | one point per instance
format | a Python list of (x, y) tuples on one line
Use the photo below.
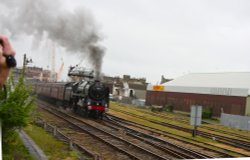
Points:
[(183, 101), (235, 121)]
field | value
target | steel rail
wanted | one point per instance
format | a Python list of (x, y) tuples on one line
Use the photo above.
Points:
[(181, 151), (105, 136), (233, 142), (156, 131)]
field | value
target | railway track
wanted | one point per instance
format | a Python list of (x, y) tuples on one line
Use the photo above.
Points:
[(124, 146), (229, 141), (179, 151), (154, 133), (159, 143), (166, 147), (185, 120)]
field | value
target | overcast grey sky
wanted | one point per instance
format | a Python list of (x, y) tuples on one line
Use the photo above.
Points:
[(150, 38)]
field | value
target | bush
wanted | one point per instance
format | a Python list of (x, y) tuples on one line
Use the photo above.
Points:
[(16, 105), (207, 112), (168, 108), (13, 147)]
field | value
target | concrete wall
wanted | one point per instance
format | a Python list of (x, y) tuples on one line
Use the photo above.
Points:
[(141, 94), (235, 121), (138, 102)]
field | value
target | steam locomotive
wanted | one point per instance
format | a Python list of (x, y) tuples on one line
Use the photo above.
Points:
[(86, 96)]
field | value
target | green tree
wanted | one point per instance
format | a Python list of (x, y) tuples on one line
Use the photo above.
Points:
[(16, 105)]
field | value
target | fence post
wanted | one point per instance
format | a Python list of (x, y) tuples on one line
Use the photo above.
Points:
[(1, 155), (54, 131), (70, 144), (44, 125), (96, 157)]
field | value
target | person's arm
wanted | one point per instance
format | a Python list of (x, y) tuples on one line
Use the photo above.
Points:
[(5, 50)]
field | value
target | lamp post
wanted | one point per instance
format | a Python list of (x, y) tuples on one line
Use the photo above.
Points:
[(26, 61)]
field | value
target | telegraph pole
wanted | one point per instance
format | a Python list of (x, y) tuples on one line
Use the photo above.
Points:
[(24, 62)]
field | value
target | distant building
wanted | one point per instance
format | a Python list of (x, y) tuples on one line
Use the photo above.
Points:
[(33, 74), (138, 90), (127, 86), (223, 92)]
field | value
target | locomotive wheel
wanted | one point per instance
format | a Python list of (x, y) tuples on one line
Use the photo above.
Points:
[(86, 112), (100, 115), (75, 108)]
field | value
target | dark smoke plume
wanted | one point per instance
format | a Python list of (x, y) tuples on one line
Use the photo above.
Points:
[(75, 31)]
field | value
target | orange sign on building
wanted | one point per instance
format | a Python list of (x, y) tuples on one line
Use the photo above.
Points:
[(158, 88)]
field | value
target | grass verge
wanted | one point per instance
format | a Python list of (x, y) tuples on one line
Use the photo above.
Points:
[(53, 148), (14, 148)]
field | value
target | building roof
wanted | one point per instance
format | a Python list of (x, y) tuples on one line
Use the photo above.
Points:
[(230, 84)]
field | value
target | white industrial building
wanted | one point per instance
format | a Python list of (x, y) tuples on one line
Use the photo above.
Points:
[(223, 92)]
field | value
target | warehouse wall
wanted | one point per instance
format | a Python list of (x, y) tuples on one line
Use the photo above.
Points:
[(183, 101)]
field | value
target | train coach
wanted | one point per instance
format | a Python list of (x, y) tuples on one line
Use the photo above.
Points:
[(53, 91)]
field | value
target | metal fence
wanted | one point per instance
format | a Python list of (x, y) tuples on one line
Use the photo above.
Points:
[(1, 156), (61, 136), (235, 121)]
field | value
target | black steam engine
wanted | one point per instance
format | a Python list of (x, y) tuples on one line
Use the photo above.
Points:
[(87, 96)]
